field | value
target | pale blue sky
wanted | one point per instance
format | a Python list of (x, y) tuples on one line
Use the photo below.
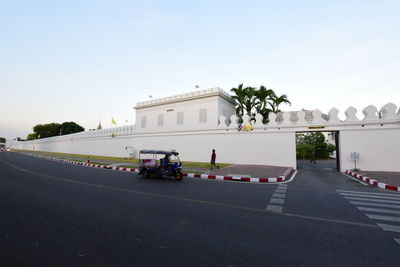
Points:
[(84, 60)]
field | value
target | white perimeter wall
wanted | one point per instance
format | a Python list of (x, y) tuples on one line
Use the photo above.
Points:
[(379, 149), (261, 148)]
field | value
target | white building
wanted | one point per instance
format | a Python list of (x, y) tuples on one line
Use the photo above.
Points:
[(195, 110)]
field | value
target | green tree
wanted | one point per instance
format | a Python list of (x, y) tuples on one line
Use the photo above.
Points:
[(263, 98), (2, 140), (239, 97), (70, 127), (304, 151), (47, 130), (276, 101), (250, 100), (313, 142), (32, 136), (54, 129)]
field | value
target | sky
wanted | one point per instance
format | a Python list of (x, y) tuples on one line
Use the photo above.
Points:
[(91, 60)]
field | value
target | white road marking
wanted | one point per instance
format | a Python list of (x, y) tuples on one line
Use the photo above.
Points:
[(375, 204), (379, 210), (276, 208), (278, 198), (389, 227), (376, 200), (278, 195), (277, 201), (370, 196), (368, 200), (383, 217), (282, 191), (369, 193)]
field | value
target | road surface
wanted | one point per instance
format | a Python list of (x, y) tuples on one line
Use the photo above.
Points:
[(57, 214)]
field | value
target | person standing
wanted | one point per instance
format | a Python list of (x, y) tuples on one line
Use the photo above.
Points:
[(313, 157), (213, 158)]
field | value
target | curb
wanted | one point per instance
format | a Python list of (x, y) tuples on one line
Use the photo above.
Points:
[(242, 179), (191, 175), (373, 181)]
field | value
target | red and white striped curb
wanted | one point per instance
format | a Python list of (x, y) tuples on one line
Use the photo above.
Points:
[(192, 175), (243, 179), (373, 181)]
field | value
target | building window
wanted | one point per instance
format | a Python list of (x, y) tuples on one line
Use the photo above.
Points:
[(203, 115), (179, 118), (160, 120), (143, 122)]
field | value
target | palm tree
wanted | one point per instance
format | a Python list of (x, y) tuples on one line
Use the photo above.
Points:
[(250, 100), (263, 98), (239, 97), (277, 100)]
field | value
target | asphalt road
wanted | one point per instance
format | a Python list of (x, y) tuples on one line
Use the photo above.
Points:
[(57, 214)]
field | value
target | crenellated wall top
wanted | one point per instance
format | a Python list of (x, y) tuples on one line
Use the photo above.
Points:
[(371, 115), (292, 120)]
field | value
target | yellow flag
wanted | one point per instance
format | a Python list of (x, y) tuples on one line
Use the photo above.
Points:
[(249, 127), (113, 121)]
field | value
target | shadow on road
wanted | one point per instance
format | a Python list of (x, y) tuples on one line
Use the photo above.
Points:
[(320, 165)]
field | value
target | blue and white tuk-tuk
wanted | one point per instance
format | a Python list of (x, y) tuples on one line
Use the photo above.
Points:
[(160, 163)]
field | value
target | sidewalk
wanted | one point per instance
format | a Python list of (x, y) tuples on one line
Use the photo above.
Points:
[(392, 178), (263, 171), (228, 173), (383, 180)]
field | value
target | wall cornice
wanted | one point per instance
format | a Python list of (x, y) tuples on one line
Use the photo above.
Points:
[(216, 91)]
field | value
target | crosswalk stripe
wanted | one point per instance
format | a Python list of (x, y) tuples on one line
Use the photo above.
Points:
[(379, 210), (369, 193), (383, 217), (277, 200), (279, 195), (359, 195), (375, 204), (375, 200), (276, 208), (389, 227)]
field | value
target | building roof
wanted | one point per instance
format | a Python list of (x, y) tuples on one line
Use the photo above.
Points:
[(216, 91)]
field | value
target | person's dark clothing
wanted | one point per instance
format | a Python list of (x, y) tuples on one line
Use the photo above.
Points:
[(213, 158)]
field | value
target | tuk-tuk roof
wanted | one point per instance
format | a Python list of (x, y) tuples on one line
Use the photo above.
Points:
[(162, 152)]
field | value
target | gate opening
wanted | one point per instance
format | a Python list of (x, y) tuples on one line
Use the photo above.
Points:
[(318, 150)]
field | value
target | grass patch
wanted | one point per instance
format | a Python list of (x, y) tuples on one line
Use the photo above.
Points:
[(68, 156), (97, 163), (191, 164), (84, 156)]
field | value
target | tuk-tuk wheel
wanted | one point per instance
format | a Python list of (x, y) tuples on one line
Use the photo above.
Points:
[(145, 174), (178, 175)]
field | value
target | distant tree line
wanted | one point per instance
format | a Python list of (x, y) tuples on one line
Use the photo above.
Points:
[(54, 129), (252, 100), (2, 140)]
